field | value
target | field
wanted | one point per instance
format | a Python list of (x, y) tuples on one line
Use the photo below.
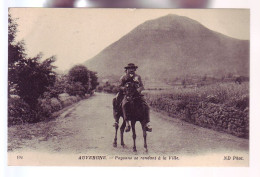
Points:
[(220, 106)]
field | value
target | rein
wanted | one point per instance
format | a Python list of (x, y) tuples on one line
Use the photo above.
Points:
[(131, 91)]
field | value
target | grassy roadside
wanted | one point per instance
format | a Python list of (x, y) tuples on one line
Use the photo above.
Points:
[(222, 107), (19, 135)]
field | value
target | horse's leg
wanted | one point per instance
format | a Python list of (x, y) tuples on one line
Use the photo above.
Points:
[(115, 139), (116, 117), (122, 129), (134, 134), (145, 135)]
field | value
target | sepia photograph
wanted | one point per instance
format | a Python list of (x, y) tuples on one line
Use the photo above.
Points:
[(128, 87)]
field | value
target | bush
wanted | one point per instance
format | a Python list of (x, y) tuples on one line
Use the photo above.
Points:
[(108, 88), (19, 112), (44, 108), (55, 104), (76, 88), (99, 88), (222, 107), (79, 73), (67, 100), (240, 103), (33, 78), (93, 81), (59, 87)]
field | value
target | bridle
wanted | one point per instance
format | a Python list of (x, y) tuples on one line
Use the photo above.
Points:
[(131, 91)]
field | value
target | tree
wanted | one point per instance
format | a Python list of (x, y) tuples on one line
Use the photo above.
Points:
[(16, 54), (27, 77), (34, 78), (60, 86), (81, 74), (76, 88), (94, 80)]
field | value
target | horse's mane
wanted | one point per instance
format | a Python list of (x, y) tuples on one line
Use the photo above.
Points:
[(131, 88)]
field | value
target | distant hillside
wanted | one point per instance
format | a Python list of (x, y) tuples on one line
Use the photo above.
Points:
[(173, 46)]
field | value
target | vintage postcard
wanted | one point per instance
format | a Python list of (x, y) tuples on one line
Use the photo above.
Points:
[(128, 87)]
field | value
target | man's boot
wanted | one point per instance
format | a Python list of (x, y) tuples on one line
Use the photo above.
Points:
[(148, 127), (128, 127)]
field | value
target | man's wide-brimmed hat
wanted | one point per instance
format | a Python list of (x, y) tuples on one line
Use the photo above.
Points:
[(131, 65)]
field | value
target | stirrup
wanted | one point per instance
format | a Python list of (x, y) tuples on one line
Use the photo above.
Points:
[(115, 124)]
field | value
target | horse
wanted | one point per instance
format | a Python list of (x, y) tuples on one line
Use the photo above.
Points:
[(135, 111)]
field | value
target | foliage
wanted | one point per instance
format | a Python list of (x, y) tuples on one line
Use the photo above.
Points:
[(33, 78), (222, 106), (27, 77), (44, 109), (76, 88), (81, 81), (60, 86), (35, 90), (19, 112), (16, 53), (12, 29), (216, 93), (93, 80), (108, 88), (80, 73)]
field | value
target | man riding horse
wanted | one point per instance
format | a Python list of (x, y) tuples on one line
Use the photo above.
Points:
[(120, 102)]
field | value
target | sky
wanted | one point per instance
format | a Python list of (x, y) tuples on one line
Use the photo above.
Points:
[(76, 35)]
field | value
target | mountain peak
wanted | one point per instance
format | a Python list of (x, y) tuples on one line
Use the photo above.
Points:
[(171, 22), (173, 44)]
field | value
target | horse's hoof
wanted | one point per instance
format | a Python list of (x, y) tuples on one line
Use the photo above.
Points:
[(123, 145), (114, 145), (146, 150), (134, 149)]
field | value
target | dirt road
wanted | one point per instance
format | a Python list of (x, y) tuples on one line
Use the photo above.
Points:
[(86, 127)]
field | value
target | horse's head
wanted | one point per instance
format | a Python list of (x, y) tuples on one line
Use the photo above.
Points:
[(131, 90)]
